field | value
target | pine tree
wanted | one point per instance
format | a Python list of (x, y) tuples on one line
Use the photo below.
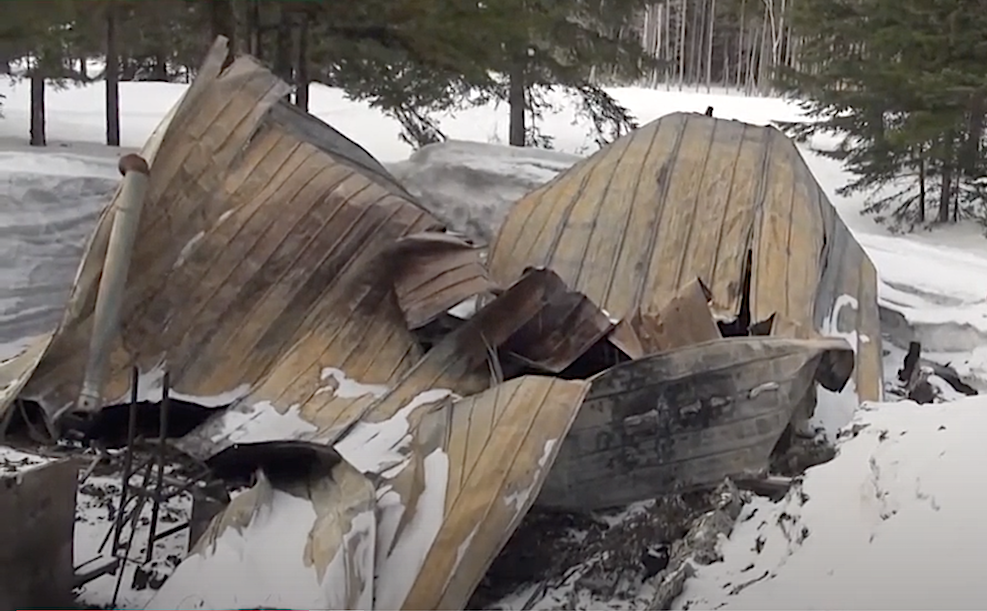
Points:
[(902, 82), (413, 58)]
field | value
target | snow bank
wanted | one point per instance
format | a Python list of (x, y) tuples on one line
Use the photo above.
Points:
[(473, 185), (894, 522), (48, 206)]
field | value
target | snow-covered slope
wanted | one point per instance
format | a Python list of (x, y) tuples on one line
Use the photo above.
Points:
[(894, 522)]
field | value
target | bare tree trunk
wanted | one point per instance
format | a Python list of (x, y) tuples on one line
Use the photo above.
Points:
[(38, 136), (667, 39), (112, 77), (301, 65), (740, 43), (222, 22), (516, 101), (682, 58), (945, 195), (696, 43), (921, 184), (282, 49), (709, 48), (159, 71), (253, 28)]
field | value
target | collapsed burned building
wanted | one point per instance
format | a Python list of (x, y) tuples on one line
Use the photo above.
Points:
[(653, 319)]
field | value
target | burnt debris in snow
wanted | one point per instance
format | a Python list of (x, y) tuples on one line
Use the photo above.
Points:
[(924, 381), (424, 421)]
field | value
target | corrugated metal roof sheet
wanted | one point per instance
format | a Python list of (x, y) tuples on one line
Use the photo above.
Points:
[(449, 493), (254, 243), (688, 196)]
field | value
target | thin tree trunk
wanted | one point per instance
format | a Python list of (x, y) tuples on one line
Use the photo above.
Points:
[(682, 58), (696, 44), (945, 195), (921, 184), (282, 50), (709, 48), (222, 22), (253, 28), (516, 101), (740, 44), (667, 40), (38, 135), (301, 65), (112, 77), (159, 72)]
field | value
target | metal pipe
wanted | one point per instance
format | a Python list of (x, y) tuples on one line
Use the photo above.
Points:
[(106, 316)]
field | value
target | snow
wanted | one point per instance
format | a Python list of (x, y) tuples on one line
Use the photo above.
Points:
[(893, 523), (150, 387), (259, 564), (347, 388), (96, 502), (382, 447), (889, 522), (14, 462), (263, 423), (834, 410), (518, 499), (399, 561), (465, 180)]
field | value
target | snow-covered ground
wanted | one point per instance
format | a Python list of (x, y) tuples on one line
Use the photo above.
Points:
[(890, 523)]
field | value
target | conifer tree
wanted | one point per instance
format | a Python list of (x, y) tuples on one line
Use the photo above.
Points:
[(902, 82)]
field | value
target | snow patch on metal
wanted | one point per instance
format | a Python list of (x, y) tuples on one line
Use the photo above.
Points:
[(150, 387), (260, 563), (400, 561), (188, 248), (348, 388), (263, 422), (382, 447), (519, 498)]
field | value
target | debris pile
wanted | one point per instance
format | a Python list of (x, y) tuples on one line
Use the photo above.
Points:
[(924, 381), (626, 344)]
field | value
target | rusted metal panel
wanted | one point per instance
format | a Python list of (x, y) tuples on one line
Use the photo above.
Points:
[(433, 272), (461, 362), (687, 418), (684, 197), (567, 325), (686, 320), (500, 446), (447, 494), (248, 260)]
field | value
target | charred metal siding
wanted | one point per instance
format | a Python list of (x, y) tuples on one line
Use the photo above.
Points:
[(690, 196)]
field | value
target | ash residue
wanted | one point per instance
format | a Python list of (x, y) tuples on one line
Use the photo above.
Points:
[(607, 554)]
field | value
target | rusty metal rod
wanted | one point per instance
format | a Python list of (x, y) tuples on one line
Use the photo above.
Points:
[(171, 531), (128, 456), (162, 448), (130, 539)]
